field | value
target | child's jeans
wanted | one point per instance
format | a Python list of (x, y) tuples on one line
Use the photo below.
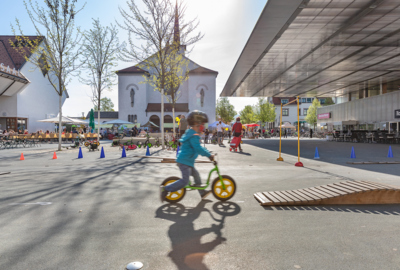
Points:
[(187, 171)]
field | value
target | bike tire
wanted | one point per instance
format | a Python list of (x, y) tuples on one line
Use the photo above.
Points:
[(219, 193), (176, 196)]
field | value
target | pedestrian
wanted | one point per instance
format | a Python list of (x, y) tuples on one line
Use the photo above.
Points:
[(219, 132), (285, 133), (237, 131), (311, 132), (229, 134), (189, 151), (183, 125), (206, 134)]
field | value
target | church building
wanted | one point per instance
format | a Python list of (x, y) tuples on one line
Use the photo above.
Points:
[(138, 102)]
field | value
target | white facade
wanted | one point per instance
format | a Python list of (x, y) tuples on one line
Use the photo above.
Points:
[(201, 80), (36, 101)]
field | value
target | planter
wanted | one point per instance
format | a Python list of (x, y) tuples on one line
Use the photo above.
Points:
[(329, 137)]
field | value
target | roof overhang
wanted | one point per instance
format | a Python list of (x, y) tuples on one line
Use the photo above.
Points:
[(318, 48), (11, 84)]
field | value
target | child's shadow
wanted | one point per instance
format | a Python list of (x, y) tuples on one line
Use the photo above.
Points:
[(187, 250)]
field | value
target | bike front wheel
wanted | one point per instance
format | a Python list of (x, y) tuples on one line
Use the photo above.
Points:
[(224, 194), (176, 196)]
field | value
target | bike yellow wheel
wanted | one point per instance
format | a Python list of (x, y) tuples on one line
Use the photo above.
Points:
[(176, 196), (87, 144), (219, 192)]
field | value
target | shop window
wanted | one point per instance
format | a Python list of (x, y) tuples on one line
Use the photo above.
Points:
[(309, 100), (285, 112), (305, 112), (284, 101)]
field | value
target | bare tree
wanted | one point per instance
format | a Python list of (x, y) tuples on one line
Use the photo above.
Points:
[(56, 48), (99, 50), (161, 29)]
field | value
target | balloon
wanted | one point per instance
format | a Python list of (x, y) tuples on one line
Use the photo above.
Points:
[(226, 129)]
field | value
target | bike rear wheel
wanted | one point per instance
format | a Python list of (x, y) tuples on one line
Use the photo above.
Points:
[(176, 196), (223, 194)]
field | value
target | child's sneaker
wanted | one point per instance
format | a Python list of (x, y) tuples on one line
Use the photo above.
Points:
[(205, 194), (163, 193)]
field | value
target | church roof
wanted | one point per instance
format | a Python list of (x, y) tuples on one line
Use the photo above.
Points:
[(203, 70), (156, 107), (132, 69)]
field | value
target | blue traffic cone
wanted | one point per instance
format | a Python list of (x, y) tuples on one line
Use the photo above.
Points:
[(353, 154), (80, 155), (123, 152), (102, 153), (148, 151), (390, 153), (177, 150), (316, 155)]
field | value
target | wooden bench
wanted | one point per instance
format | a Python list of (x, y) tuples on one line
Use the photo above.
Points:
[(348, 192)]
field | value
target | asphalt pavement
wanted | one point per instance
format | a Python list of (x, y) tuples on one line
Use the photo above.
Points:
[(94, 213)]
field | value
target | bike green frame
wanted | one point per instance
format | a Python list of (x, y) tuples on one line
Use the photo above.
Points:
[(208, 180)]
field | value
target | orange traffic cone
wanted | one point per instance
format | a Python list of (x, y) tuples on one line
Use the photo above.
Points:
[(22, 157), (54, 155)]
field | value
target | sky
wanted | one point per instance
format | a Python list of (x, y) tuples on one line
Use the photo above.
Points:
[(226, 24)]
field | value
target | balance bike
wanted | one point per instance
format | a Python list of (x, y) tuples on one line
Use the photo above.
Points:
[(223, 187)]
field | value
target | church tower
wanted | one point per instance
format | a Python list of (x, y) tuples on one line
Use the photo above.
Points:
[(177, 35)]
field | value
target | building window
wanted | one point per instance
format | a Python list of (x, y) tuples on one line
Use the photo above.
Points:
[(284, 101), (285, 112), (134, 118), (309, 100), (129, 118), (303, 100), (305, 112), (322, 100)]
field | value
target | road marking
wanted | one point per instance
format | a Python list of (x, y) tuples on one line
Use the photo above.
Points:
[(39, 203)]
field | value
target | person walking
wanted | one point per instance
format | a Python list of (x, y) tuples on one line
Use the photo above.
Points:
[(285, 133), (219, 132), (237, 131), (206, 134), (183, 125), (311, 132)]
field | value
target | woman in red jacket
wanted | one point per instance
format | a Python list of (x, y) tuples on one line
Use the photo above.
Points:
[(237, 130)]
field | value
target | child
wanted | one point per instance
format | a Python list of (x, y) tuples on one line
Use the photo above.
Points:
[(189, 151)]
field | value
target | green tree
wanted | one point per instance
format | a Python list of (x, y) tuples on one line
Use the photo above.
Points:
[(248, 115), (225, 110), (106, 105), (328, 101), (265, 111), (57, 47), (311, 117)]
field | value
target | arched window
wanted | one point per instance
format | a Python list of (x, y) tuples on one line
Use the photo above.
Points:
[(155, 119), (168, 119), (129, 118)]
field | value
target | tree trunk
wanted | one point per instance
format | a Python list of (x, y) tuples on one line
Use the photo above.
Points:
[(173, 118), (59, 122), (162, 118)]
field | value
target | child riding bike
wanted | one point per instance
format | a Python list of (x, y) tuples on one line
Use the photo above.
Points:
[(189, 151)]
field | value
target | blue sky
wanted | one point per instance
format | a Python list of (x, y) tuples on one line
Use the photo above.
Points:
[(227, 25)]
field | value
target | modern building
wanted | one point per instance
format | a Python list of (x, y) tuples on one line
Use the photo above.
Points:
[(348, 50), (138, 102), (26, 95), (289, 112)]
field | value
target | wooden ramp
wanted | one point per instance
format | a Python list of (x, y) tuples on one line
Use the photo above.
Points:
[(348, 192)]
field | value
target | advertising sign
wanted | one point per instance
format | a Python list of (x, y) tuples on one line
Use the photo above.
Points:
[(324, 115)]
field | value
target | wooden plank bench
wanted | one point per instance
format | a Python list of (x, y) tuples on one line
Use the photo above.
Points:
[(347, 192)]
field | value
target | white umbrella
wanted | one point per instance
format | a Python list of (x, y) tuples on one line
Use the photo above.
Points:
[(287, 125), (118, 122), (88, 120), (64, 120), (77, 121)]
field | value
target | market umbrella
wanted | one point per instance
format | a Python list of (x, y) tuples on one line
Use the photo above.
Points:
[(64, 120), (118, 122), (287, 125), (252, 125), (150, 124), (91, 119)]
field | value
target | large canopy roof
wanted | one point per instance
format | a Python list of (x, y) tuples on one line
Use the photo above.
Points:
[(318, 48)]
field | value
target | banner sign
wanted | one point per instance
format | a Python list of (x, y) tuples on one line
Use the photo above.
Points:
[(324, 115)]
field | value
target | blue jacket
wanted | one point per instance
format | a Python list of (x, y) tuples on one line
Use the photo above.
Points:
[(191, 148)]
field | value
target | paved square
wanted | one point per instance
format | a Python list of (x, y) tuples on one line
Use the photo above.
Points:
[(94, 213)]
